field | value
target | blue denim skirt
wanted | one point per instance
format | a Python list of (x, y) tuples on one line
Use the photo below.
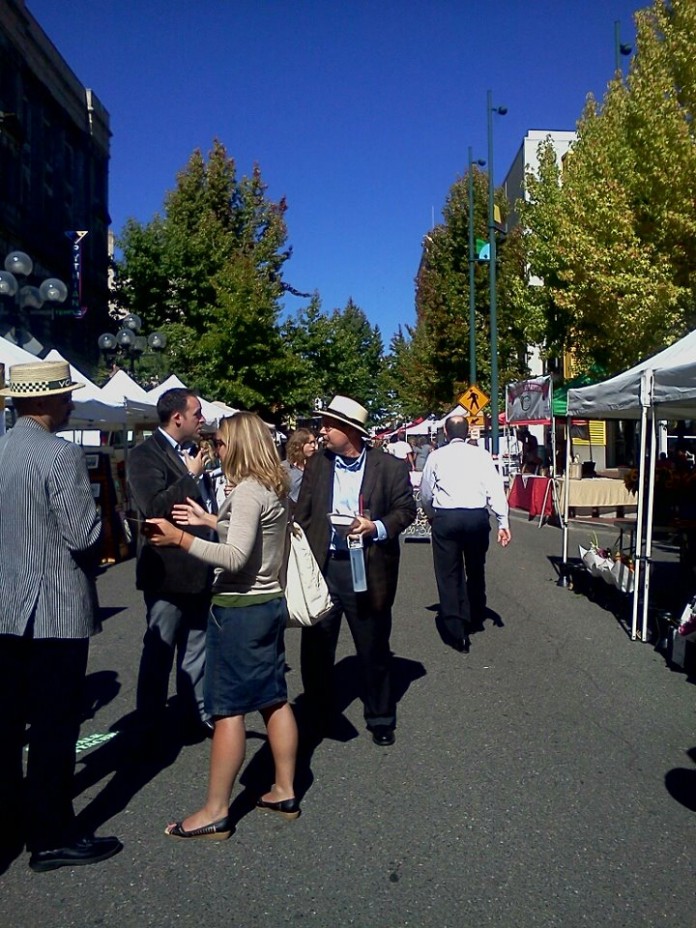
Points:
[(245, 658)]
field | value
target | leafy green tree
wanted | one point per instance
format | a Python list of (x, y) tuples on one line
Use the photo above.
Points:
[(540, 218), (339, 352), (400, 379), (435, 368), (208, 272), (613, 236)]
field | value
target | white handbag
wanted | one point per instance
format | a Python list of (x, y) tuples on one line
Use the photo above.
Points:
[(306, 592)]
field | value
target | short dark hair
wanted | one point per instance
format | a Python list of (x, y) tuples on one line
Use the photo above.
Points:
[(26, 405), (171, 401), (456, 427)]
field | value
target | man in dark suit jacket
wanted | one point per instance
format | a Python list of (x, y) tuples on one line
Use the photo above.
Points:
[(374, 488), (49, 536), (162, 472)]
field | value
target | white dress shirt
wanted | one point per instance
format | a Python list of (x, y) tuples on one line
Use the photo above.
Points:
[(463, 476), (203, 487), (348, 478)]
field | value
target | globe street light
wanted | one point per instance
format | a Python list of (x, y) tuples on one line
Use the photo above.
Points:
[(26, 299), (501, 111), (472, 264), (129, 342)]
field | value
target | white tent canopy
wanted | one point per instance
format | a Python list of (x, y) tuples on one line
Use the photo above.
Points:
[(121, 387), (90, 390), (91, 412), (661, 387), (122, 390), (422, 428), (12, 354), (672, 392)]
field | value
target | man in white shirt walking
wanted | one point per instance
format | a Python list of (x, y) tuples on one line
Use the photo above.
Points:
[(459, 482)]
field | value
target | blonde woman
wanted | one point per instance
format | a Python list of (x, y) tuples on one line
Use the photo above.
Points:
[(245, 652), (301, 447)]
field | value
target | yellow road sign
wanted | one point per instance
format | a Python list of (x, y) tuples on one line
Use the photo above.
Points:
[(475, 421), (473, 399)]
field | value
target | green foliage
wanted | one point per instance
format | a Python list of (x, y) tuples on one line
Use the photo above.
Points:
[(339, 352), (613, 235), (433, 364), (208, 272)]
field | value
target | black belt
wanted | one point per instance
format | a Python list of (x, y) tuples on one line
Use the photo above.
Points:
[(339, 555)]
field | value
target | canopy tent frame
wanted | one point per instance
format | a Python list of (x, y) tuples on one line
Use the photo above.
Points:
[(660, 387)]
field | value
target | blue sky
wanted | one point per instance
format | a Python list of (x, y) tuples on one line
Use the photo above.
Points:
[(359, 112)]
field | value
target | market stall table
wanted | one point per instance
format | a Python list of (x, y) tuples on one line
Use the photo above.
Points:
[(597, 493), (531, 493)]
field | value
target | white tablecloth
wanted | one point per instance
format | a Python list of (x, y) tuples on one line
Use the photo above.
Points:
[(594, 492)]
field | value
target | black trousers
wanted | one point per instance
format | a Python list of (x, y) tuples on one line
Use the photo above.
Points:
[(460, 537), (41, 685), (370, 631)]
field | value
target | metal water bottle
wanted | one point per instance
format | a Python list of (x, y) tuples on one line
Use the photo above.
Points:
[(357, 562)]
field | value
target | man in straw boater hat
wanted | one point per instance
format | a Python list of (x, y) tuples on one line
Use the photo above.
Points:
[(372, 489), (49, 530)]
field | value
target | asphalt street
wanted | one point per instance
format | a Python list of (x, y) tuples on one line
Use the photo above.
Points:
[(548, 778)]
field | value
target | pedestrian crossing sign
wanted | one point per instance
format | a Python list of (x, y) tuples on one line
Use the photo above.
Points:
[(476, 421), (473, 399)]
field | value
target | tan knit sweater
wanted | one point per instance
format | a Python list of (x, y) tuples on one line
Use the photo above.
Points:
[(251, 526)]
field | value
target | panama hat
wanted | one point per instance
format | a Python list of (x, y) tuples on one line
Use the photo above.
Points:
[(345, 410), (40, 378)]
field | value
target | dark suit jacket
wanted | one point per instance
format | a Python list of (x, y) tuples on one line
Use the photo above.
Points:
[(387, 495), (157, 479)]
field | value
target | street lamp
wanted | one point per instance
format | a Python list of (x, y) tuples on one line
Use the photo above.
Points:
[(501, 111), (619, 47), (472, 264), (129, 342), (26, 299)]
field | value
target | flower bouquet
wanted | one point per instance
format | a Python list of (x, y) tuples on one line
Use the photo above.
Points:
[(686, 631), (614, 568), (687, 625)]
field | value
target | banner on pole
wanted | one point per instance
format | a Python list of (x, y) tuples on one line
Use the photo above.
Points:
[(76, 308), (529, 400)]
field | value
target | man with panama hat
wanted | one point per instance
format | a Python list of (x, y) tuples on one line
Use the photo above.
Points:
[(348, 479), (49, 530)]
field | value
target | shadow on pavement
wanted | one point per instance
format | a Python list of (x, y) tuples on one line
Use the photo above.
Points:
[(681, 784), (108, 612), (135, 756), (475, 628), (101, 688)]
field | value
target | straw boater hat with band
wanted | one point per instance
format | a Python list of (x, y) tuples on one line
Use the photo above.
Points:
[(347, 411), (40, 378)]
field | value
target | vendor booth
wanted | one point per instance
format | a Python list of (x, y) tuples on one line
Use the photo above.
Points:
[(661, 387)]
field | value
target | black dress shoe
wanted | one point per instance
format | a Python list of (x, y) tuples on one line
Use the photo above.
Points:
[(383, 735), (462, 646), (82, 852)]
